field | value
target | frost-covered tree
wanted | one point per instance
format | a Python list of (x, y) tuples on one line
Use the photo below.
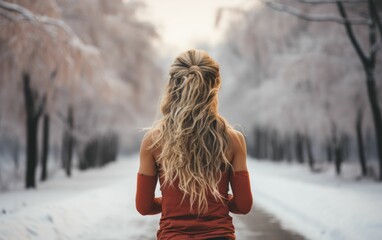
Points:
[(297, 83), (38, 48), (84, 67), (367, 57)]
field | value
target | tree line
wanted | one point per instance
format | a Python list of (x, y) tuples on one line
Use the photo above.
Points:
[(306, 73), (70, 79)]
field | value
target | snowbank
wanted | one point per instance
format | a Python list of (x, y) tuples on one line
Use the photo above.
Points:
[(320, 206), (94, 205)]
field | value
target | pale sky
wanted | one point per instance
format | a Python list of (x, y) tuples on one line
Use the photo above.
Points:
[(181, 24)]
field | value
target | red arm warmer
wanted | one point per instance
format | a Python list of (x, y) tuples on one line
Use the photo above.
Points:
[(241, 201), (145, 200)]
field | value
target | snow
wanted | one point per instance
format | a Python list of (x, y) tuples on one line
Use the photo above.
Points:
[(100, 204), (97, 204), (318, 205), (92, 205)]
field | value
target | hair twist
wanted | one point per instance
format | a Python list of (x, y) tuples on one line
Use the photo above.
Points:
[(194, 68)]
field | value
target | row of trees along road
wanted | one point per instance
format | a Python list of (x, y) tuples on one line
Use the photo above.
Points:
[(78, 68), (310, 79)]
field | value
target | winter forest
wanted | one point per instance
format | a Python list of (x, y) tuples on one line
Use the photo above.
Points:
[(80, 80)]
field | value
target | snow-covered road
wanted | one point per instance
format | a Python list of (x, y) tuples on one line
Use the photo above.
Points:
[(99, 205), (94, 205), (320, 206)]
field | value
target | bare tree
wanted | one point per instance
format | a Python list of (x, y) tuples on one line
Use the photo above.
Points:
[(360, 142), (34, 106), (68, 142), (45, 135), (273, 65), (103, 83), (36, 53)]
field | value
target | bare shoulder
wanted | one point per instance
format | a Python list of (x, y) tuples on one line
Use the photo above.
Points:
[(147, 160), (147, 140), (238, 140), (239, 150)]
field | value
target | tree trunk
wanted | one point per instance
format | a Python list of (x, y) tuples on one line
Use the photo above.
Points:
[(15, 154), (273, 142), (265, 144), (257, 149), (368, 61), (373, 99), (329, 151), (299, 148), (288, 151), (361, 151), (337, 154), (308, 145), (336, 149), (31, 132), (64, 148), (345, 145), (32, 129), (69, 142), (281, 149), (338, 158), (45, 148)]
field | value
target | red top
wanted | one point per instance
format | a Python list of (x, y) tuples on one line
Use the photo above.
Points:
[(178, 222)]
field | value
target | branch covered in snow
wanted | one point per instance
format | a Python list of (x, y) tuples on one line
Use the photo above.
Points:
[(7, 15), (75, 133), (40, 108), (351, 34), (15, 12), (315, 17), (220, 11)]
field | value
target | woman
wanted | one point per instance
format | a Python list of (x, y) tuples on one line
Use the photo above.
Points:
[(195, 154)]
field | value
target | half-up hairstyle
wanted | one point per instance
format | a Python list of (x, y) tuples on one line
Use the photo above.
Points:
[(192, 137)]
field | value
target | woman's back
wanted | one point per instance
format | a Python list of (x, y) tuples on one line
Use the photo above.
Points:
[(179, 222), (195, 154)]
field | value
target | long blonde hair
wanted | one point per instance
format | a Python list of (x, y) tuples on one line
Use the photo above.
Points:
[(193, 138)]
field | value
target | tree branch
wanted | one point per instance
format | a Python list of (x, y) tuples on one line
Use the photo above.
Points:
[(29, 103), (315, 17), (374, 14), (40, 108), (53, 74), (19, 13), (27, 15), (78, 136), (220, 11), (372, 37), (8, 16), (375, 47), (349, 31)]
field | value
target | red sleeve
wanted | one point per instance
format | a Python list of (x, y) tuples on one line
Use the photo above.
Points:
[(241, 201), (145, 200)]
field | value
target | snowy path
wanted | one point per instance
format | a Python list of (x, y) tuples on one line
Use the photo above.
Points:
[(99, 205), (320, 206)]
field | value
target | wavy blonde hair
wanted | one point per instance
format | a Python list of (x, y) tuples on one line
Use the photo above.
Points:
[(192, 137)]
